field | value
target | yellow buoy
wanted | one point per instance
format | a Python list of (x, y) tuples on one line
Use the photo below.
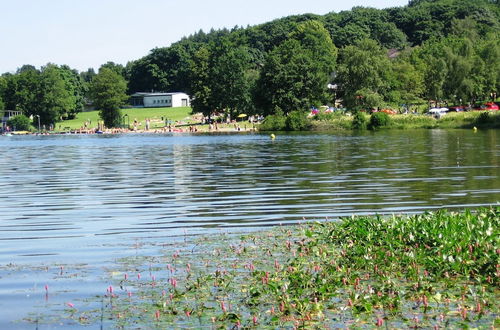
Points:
[(273, 136), (475, 128)]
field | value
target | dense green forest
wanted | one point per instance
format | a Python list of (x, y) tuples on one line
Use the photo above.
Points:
[(428, 51)]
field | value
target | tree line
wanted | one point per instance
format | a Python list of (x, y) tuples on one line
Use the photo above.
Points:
[(429, 50)]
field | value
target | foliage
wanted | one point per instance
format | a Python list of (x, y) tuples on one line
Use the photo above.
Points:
[(51, 92), (20, 123), (359, 121), (221, 79), (163, 69), (297, 71), (483, 118), (379, 119), (58, 97), (487, 119), (297, 121), (350, 27), (273, 123), (200, 82), (108, 92), (230, 85), (363, 74), (406, 82)]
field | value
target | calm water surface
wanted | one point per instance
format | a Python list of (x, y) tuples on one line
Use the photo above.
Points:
[(70, 205)]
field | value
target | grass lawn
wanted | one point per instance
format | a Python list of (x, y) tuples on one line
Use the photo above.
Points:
[(158, 116)]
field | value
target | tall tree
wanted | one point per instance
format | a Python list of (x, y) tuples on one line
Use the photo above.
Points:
[(24, 89), (3, 88), (54, 98), (108, 92), (406, 83), (230, 87), (296, 73), (201, 89), (77, 89), (363, 74)]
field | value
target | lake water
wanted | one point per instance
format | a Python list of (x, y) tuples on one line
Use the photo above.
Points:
[(70, 205)]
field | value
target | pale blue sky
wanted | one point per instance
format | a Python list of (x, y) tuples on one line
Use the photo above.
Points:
[(88, 33)]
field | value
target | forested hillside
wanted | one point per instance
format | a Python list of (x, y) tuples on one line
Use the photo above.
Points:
[(429, 50)]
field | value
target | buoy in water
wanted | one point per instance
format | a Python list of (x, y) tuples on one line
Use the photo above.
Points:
[(273, 136), (475, 129)]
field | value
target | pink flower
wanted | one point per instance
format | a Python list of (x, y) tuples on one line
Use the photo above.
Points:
[(70, 305), (223, 306), (463, 313)]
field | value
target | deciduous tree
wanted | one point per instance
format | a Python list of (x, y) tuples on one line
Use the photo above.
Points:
[(296, 73), (108, 92), (363, 74)]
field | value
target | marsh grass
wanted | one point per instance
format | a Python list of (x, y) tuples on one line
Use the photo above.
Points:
[(429, 270)]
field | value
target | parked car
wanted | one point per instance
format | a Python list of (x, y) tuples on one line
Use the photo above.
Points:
[(437, 112), (486, 106), (491, 106), (457, 108)]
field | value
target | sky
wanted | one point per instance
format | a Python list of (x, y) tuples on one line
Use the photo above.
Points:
[(88, 33)]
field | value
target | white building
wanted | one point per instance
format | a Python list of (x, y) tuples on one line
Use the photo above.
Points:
[(157, 100)]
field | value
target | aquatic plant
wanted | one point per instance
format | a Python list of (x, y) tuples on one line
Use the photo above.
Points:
[(429, 270)]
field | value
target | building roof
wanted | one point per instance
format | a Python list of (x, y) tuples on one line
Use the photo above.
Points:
[(144, 94)]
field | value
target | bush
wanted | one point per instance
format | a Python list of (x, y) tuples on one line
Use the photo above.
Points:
[(273, 123), (297, 121), (19, 123), (484, 118), (379, 119), (359, 121)]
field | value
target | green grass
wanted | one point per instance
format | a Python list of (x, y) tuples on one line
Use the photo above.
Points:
[(422, 271), (140, 114)]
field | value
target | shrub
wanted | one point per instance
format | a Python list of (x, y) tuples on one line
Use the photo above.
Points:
[(359, 121), (379, 119), (297, 121), (484, 118), (273, 123), (19, 123)]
